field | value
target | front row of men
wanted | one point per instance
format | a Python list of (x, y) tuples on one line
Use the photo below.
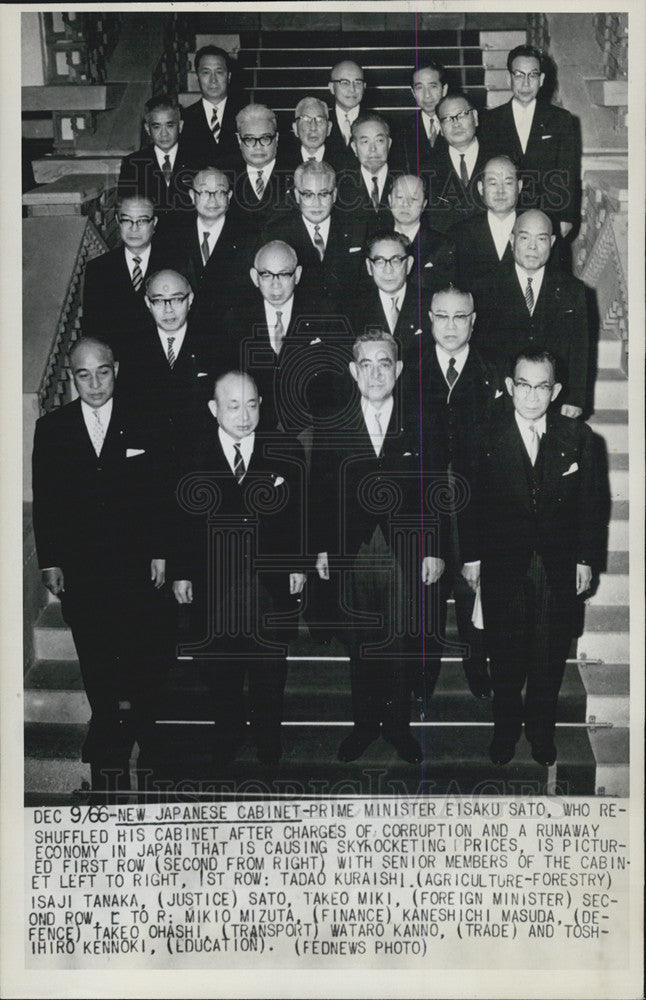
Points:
[(227, 527)]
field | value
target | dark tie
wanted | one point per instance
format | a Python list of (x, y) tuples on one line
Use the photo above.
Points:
[(374, 197), (451, 372), (529, 296), (238, 463), (260, 185), (167, 169), (206, 250), (318, 241), (464, 173), (137, 276), (215, 125), (170, 354)]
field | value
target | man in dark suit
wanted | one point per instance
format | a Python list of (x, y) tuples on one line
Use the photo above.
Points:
[(262, 181), (542, 306), (541, 138), (461, 392), (255, 485), (364, 187), (347, 86), (113, 288), (481, 243), (421, 133), (101, 542), (311, 128), (458, 164), (208, 138), (531, 544), (433, 259), (159, 171), (373, 451)]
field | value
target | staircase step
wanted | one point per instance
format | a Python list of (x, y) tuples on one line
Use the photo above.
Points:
[(612, 425), (607, 618), (611, 748), (52, 638), (607, 688), (607, 646), (611, 389), (502, 40), (614, 588), (618, 528), (610, 351), (106, 164)]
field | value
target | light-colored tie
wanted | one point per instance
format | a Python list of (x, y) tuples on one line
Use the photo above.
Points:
[(239, 467), (451, 372), (170, 353), (279, 333), (432, 133), (374, 197), (137, 276), (319, 242), (97, 433), (464, 173), (378, 435), (394, 313), (260, 185), (215, 125), (534, 441), (529, 296), (347, 130), (167, 169), (205, 248)]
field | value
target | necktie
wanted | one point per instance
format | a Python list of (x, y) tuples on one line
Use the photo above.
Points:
[(432, 133), (215, 125), (239, 468), (205, 248), (279, 333), (260, 185), (534, 442), (378, 434), (374, 196), (170, 353), (347, 130), (451, 373), (464, 173), (167, 169), (97, 432), (318, 241), (137, 276), (529, 296), (394, 313)]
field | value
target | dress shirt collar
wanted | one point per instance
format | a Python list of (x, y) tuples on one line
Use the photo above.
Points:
[(470, 157), (387, 301), (341, 114), (427, 121), (318, 155), (208, 110), (369, 412), (381, 175), (523, 111), (443, 358), (285, 313), (537, 279), (144, 256), (178, 341), (228, 447), (500, 230), (410, 232), (267, 170), (213, 231), (161, 156), (105, 412), (523, 425), (324, 228)]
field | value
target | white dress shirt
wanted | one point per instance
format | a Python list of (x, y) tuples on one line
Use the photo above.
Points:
[(105, 412), (443, 358), (213, 232), (228, 447), (369, 412), (536, 276), (341, 114), (387, 302), (144, 256), (524, 425), (500, 230), (318, 154), (427, 121), (266, 171), (410, 232), (209, 108), (285, 317), (177, 342), (523, 118), (324, 229), (381, 175), (161, 156), (470, 157)]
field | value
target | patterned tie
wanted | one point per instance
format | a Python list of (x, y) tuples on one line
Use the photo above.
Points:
[(97, 433), (260, 185), (464, 173), (534, 441), (205, 248), (167, 169), (215, 125), (529, 296), (239, 467), (394, 313), (318, 241), (137, 276), (378, 434), (432, 133), (451, 372), (279, 333), (170, 354), (374, 197), (347, 130)]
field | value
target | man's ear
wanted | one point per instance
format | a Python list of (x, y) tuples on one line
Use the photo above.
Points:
[(147, 130), (409, 264), (398, 369), (213, 407), (329, 128), (480, 187), (116, 369), (556, 388), (254, 277), (475, 117), (330, 87), (354, 371), (295, 129), (297, 274), (181, 124), (509, 382)]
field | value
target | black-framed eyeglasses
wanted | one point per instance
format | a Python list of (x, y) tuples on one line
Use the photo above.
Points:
[(251, 141), (460, 319), (204, 193), (172, 300), (343, 82), (280, 275), (319, 120), (318, 195), (519, 76), (395, 261), (456, 118), (145, 220), (524, 388)]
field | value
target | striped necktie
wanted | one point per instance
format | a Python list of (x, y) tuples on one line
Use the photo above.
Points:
[(432, 133), (529, 296), (205, 248), (378, 435), (394, 313), (260, 185), (239, 468), (170, 354), (137, 276), (215, 125), (318, 241), (279, 333)]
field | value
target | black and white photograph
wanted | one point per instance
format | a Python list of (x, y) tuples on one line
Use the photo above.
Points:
[(332, 483)]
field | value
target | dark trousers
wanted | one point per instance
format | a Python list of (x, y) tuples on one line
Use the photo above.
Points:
[(529, 629), (266, 677)]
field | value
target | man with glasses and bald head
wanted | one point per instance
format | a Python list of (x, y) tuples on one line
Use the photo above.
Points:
[(347, 86), (262, 181)]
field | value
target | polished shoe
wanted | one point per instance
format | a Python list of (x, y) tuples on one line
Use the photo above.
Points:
[(544, 752), (355, 745), (502, 750), (479, 681), (407, 748)]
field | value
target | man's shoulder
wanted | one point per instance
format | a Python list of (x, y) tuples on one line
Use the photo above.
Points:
[(59, 418), (497, 116), (192, 111), (567, 429), (475, 225), (555, 113)]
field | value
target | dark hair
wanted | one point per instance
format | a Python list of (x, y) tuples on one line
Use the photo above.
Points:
[(370, 116), (536, 356), (451, 95), (430, 64), (161, 101), (529, 51), (386, 234), (210, 50)]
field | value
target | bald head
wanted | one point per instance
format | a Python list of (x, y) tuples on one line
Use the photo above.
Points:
[(169, 298), (532, 240), (347, 84), (236, 404), (276, 272), (94, 371)]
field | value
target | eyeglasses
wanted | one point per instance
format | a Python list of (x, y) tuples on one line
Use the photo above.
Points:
[(349, 83), (145, 220), (519, 76), (454, 119), (280, 275), (204, 193), (318, 195), (258, 140), (524, 388), (172, 300), (395, 261), (318, 120), (460, 319)]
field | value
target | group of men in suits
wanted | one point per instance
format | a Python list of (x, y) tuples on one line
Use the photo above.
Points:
[(362, 293)]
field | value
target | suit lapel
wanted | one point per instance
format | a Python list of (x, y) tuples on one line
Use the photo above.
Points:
[(509, 127)]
